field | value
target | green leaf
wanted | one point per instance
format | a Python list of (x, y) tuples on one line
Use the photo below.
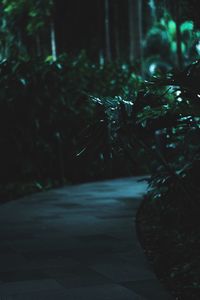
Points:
[(172, 27), (187, 26)]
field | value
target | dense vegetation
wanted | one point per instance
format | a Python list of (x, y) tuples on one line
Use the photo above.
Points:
[(162, 122), (44, 106), (169, 218)]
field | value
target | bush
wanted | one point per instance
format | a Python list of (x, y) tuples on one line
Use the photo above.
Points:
[(163, 120), (43, 108)]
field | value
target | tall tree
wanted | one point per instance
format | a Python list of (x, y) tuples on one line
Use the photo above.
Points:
[(140, 26), (135, 32), (132, 31), (53, 41), (116, 30), (107, 31)]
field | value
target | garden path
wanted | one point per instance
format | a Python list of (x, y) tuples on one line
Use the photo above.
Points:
[(76, 243)]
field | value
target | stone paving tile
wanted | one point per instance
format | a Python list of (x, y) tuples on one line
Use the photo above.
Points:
[(60, 272), (14, 235), (13, 288), (98, 237), (150, 289), (68, 205), (22, 275), (66, 249), (5, 249), (112, 258), (72, 221), (123, 272), (12, 262), (53, 262), (80, 278), (92, 257), (44, 244), (135, 258), (41, 295), (102, 292)]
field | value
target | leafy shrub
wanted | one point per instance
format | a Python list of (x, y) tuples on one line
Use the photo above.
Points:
[(163, 120), (43, 108)]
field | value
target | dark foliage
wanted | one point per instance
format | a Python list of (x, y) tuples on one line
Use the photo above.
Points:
[(163, 120), (43, 108)]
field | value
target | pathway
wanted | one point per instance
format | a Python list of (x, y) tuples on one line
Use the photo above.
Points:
[(76, 243)]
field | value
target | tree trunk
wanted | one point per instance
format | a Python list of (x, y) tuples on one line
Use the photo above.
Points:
[(38, 46), (135, 32), (140, 26), (116, 30), (178, 35), (107, 32), (53, 42), (132, 54)]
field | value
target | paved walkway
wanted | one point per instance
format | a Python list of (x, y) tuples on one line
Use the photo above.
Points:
[(76, 243)]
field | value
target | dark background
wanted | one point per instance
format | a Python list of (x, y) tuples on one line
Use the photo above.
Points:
[(80, 24)]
